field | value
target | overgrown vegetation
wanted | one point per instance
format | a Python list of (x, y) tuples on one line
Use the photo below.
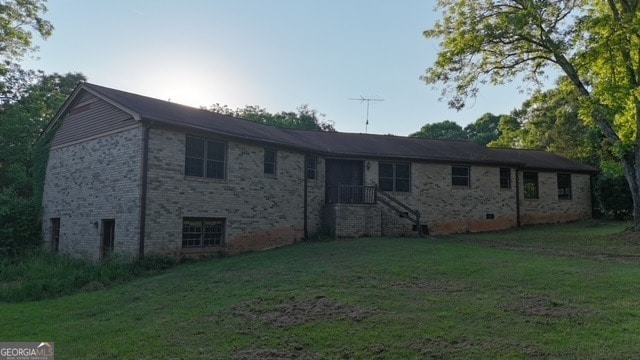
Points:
[(40, 275), (25, 154), (553, 291)]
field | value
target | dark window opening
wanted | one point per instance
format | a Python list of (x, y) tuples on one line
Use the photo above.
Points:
[(55, 234), (108, 237), (530, 181), (564, 186), (205, 158), (394, 177), (202, 232), (270, 157), (460, 176), (425, 229), (505, 178), (311, 166)]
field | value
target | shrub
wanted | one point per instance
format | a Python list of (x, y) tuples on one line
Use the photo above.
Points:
[(19, 224), (612, 194), (41, 275)]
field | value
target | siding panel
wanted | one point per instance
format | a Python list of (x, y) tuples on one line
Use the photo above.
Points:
[(88, 118)]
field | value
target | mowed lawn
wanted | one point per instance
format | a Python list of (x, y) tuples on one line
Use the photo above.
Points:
[(560, 291)]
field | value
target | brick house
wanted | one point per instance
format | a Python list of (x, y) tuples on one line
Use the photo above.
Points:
[(137, 175)]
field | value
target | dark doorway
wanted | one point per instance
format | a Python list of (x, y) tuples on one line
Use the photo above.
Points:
[(108, 237), (55, 234), (344, 181)]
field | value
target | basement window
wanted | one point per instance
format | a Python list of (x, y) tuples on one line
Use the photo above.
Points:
[(564, 186), (202, 232), (55, 234)]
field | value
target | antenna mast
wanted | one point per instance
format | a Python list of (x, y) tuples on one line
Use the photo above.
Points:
[(368, 100)]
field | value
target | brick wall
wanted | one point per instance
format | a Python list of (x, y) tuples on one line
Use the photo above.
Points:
[(547, 208), (261, 211), (100, 179), (482, 206), (91, 181), (352, 220)]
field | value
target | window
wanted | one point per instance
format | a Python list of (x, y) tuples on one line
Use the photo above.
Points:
[(310, 164), (564, 186), (205, 158), (460, 176), (505, 178), (394, 177), (530, 180), (202, 232), (270, 157), (55, 234)]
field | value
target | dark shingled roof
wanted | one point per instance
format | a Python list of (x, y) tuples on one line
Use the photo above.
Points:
[(334, 143)]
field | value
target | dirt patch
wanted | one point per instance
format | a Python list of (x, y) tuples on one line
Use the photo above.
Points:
[(296, 312), (271, 354), (431, 286), (622, 257), (439, 348), (544, 306)]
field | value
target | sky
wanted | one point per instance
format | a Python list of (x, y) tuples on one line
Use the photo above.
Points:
[(277, 54)]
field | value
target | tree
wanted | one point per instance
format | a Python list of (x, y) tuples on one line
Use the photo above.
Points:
[(595, 44), (484, 130), (19, 20), (444, 130), (549, 120), (305, 118), (22, 164)]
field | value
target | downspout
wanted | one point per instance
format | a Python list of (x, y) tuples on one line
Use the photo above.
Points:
[(518, 223), (306, 189), (143, 190)]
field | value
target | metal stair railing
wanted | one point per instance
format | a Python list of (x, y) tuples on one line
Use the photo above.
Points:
[(400, 207)]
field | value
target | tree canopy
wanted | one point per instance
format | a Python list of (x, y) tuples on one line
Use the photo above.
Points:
[(23, 161), (484, 130), (594, 44), (305, 118), (444, 130)]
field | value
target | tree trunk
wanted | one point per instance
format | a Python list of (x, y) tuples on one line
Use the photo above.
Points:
[(632, 175)]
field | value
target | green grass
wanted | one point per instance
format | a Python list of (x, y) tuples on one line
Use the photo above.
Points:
[(42, 275), (561, 291)]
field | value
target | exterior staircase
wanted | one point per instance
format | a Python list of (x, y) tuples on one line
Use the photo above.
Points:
[(351, 211), (402, 209)]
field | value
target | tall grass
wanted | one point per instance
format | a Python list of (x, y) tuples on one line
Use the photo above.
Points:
[(42, 275)]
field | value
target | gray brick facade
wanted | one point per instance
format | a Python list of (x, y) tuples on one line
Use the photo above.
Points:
[(89, 182), (261, 211), (97, 166)]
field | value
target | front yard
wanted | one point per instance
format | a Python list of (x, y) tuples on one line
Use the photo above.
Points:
[(559, 291)]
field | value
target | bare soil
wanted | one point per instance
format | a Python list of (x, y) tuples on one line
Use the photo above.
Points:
[(291, 313), (544, 306), (296, 312)]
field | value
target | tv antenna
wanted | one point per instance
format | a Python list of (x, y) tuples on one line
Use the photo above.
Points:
[(368, 100)]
